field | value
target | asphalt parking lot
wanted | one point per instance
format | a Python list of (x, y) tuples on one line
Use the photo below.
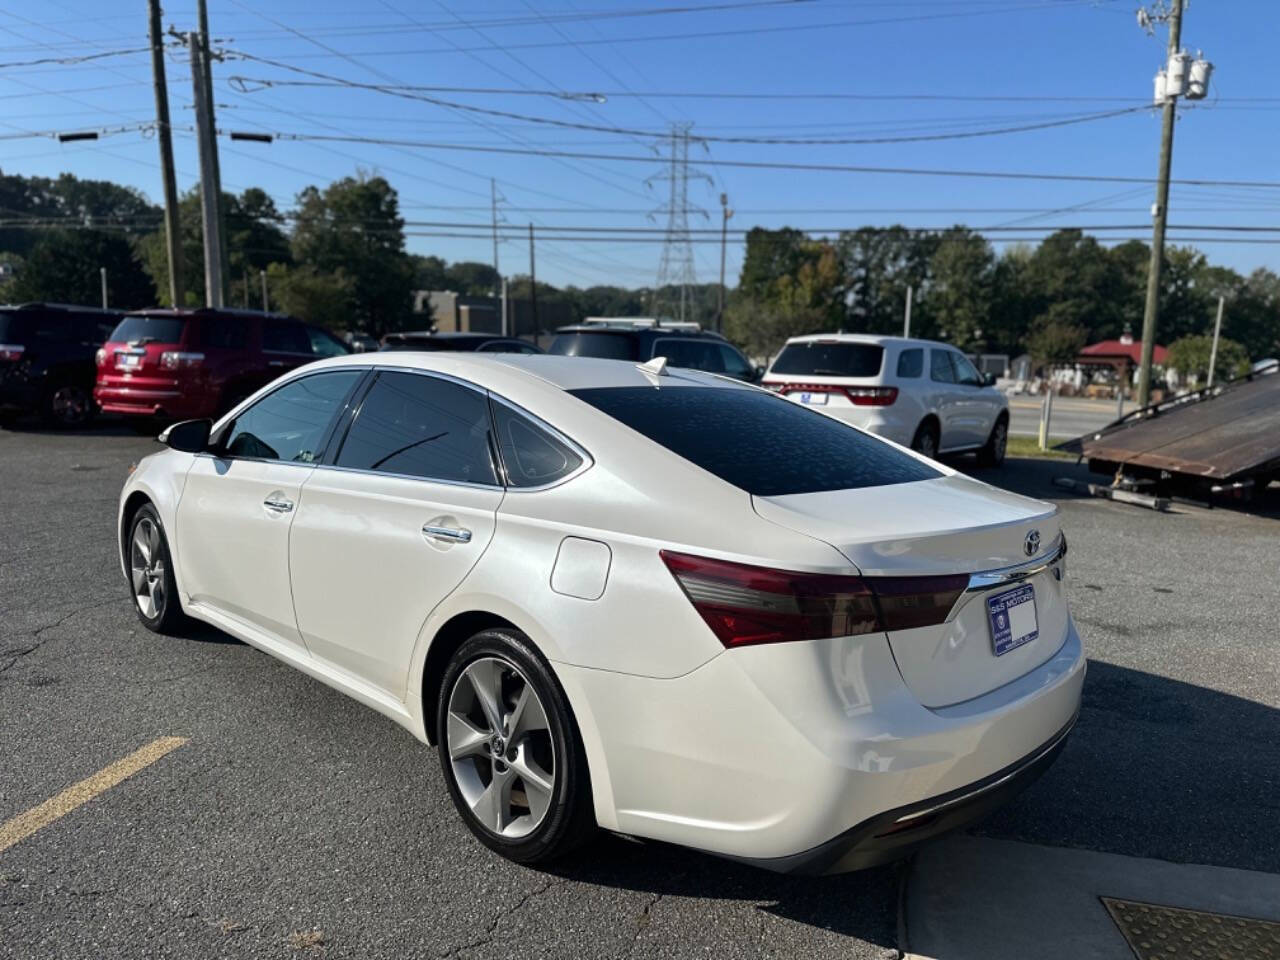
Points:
[(291, 821)]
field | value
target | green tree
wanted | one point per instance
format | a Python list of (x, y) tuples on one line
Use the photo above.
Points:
[(1190, 357), (354, 225), (63, 267), (325, 299), (961, 288), (1056, 336), (70, 201), (472, 278), (1075, 274), (429, 273), (879, 266)]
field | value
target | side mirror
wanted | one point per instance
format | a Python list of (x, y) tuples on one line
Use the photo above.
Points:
[(189, 436), (759, 375), (988, 379)]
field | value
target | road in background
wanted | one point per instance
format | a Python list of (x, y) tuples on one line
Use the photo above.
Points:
[(296, 822), (1072, 416)]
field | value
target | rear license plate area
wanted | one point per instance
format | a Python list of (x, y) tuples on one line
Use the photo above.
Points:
[(1012, 615), (129, 361), (813, 398)]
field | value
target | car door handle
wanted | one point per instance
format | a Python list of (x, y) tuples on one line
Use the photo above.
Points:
[(278, 504), (452, 534)]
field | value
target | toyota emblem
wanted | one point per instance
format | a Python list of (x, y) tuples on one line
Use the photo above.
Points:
[(1031, 545)]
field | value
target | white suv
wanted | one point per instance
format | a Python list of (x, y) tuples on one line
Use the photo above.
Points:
[(919, 393)]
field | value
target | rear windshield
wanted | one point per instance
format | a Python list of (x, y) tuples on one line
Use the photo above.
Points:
[(607, 346), (816, 358), (764, 444), (149, 330)]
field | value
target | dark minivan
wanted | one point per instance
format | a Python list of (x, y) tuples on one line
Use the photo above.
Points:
[(165, 364), (683, 346), (47, 360)]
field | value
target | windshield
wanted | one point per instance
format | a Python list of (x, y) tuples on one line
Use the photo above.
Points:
[(142, 329), (607, 346), (829, 358), (758, 441)]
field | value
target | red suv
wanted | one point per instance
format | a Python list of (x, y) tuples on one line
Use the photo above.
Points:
[(169, 365)]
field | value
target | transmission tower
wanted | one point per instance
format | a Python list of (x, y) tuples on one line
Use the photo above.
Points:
[(676, 267)]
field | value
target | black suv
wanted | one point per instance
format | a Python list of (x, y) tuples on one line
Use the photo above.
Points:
[(683, 346), (47, 360)]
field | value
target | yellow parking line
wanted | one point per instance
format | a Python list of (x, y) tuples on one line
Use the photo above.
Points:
[(25, 824)]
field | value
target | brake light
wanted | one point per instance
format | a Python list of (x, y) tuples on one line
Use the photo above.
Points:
[(12, 351), (872, 396), (178, 360), (859, 396), (746, 605)]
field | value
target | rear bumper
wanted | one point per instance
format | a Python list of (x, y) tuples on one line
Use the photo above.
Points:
[(806, 757), (895, 833), (154, 401), (892, 422)]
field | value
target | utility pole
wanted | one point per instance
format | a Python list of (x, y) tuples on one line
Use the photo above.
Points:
[(202, 13), (208, 147), (906, 320), (1151, 313), (102, 272), (172, 228), (725, 213), (1213, 352), (533, 286), (493, 200), (263, 275)]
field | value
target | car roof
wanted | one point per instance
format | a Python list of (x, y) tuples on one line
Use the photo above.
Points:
[(207, 312), (877, 339), (664, 333), (499, 371), (451, 335), (63, 307)]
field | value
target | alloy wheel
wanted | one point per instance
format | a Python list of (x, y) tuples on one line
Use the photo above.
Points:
[(70, 405), (146, 563), (500, 747)]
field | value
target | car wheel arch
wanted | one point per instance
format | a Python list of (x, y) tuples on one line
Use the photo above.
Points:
[(135, 502), (453, 633)]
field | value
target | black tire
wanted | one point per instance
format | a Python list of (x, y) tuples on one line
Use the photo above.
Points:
[(567, 818), (926, 440), (993, 451), (67, 405), (165, 614)]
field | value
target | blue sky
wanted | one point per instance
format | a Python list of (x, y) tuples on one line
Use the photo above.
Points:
[(1067, 57)]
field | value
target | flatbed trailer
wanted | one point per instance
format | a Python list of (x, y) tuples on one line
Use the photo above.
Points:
[(1216, 439)]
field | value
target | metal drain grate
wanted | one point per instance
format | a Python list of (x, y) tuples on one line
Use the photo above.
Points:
[(1155, 932)]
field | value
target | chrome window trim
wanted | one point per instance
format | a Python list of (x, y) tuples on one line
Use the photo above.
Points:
[(1005, 576)]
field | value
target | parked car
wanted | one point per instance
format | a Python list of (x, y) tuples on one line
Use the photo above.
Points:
[(46, 360), (170, 365), (359, 342), (639, 339), (481, 342), (919, 393), (669, 605)]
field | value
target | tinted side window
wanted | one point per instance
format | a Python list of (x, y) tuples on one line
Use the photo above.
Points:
[(421, 426), (289, 423), (226, 333), (759, 442), (966, 372), (324, 344), (610, 346), (286, 337), (692, 354), (735, 364), (911, 362), (940, 369), (54, 326), (532, 456)]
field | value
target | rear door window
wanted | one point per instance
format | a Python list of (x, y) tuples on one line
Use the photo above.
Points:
[(289, 424), (417, 425), (911, 363), (692, 354), (830, 358), (532, 455), (226, 333), (285, 337), (940, 367), (735, 364), (757, 441), (966, 372), (608, 346)]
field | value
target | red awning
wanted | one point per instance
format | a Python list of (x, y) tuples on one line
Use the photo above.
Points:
[(1111, 350)]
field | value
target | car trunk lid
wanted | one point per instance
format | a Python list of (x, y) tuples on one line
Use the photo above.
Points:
[(950, 525)]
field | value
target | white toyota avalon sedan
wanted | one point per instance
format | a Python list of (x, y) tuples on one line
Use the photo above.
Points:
[(615, 595)]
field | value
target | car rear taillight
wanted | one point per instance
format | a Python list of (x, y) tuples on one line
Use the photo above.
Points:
[(11, 351), (100, 357), (178, 360), (745, 604), (872, 396)]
